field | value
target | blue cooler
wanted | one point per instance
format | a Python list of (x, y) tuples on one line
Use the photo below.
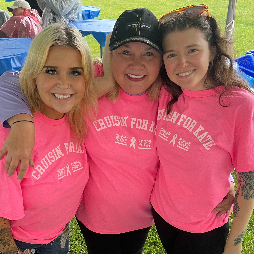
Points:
[(244, 66)]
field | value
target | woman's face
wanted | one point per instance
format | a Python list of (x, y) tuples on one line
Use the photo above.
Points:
[(186, 57), (61, 83), (135, 66)]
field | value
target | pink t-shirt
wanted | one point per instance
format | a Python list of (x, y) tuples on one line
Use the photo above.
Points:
[(123, 165), (47, 198), (21, 27), (199, 144)]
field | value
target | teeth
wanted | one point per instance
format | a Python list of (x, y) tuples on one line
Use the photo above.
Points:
[(185, 73), (60, 96), (134, 76)]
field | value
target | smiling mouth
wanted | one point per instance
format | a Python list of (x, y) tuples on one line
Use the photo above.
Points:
[(135, 76), (62, 97), (183, 74)]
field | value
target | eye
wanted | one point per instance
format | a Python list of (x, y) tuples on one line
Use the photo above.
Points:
[(149, 53), (50, 71), (172, 55), (193, 50), (76, 73), (126, 52)]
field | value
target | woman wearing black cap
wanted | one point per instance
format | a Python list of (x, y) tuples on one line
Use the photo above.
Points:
[(115, 213)]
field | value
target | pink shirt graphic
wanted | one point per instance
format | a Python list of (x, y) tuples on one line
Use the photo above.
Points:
[(199, 144), (42, 204), (123, 165)]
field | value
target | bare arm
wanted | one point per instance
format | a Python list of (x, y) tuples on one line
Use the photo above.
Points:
[(19, 145), (107, 82), (243, 208), (7, 243)]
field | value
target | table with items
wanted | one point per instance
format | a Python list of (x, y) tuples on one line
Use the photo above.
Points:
[(99, 28)]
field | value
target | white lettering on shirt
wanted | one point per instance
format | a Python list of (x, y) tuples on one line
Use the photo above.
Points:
[(54, 155), (189, 124)]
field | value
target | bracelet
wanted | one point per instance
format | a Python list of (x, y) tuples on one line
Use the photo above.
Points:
[(22, 121)]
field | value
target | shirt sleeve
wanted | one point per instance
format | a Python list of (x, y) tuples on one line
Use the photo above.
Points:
[(12, 100), (243, 147), (11, 198)]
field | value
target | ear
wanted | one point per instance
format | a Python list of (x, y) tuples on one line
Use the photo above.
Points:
[(34, 82), (212, 53)]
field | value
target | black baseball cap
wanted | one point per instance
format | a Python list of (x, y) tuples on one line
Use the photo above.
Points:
[(137, 25)]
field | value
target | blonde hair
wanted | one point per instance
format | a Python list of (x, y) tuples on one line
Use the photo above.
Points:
[(59, 35)]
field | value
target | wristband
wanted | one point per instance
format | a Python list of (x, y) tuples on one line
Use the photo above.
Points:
[(22, 121)]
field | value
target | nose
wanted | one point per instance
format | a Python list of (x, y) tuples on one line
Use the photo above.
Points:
[(137, 62), (63, 82), (182, 62)]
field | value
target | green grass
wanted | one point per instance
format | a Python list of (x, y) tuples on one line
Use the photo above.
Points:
[(243, 42), (244, 28)]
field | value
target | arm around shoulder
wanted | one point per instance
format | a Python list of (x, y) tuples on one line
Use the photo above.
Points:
[(12, 100), (106, 83)]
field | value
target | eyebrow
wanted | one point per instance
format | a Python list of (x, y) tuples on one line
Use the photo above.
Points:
[(148, 46), (193, 45), (187, 47), (55, 67)]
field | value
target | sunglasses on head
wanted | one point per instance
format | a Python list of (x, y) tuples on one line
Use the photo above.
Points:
[(189, 11)]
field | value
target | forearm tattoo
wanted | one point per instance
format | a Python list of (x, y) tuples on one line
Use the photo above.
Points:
[(245, 183), (245, 188), (5, 240), (239, 239)]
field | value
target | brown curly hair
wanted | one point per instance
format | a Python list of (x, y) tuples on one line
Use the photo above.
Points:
[(220, 70)]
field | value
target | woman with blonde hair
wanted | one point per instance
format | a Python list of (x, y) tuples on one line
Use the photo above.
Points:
[(57, 81)]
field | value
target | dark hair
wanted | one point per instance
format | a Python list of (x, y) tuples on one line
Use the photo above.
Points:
[(220, 70)]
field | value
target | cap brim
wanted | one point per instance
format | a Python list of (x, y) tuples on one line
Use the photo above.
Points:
[(116, 45)]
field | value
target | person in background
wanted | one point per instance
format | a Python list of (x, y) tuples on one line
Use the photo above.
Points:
[(25, 22), (205, 130), (4, 16), (64, 11)]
